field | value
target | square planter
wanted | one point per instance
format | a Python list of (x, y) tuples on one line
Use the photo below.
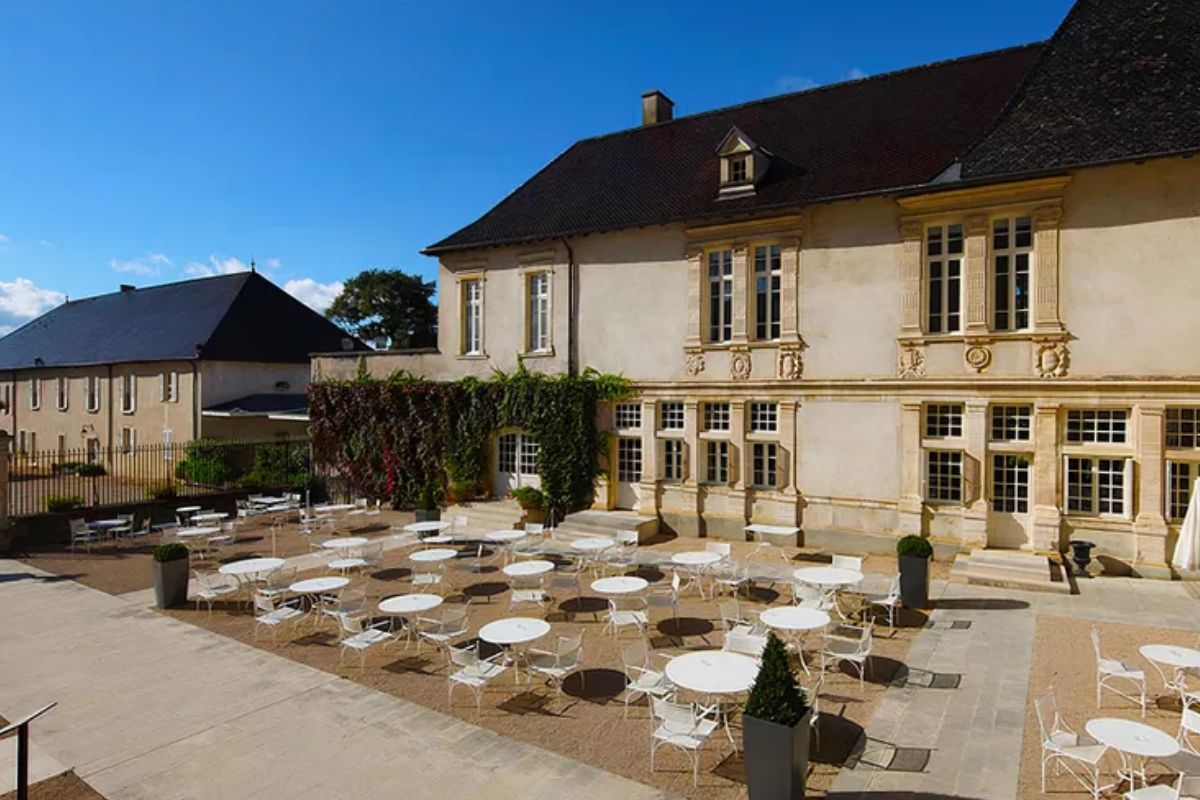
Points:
[(170, 582), (428, 514), (914, 581), (776, 758)]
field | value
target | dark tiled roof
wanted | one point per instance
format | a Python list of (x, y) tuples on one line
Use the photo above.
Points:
[(259, 404), (242, 317), (884, 132), (1119, 80)]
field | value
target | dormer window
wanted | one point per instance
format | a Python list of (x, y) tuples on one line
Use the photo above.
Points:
[(743, 164)]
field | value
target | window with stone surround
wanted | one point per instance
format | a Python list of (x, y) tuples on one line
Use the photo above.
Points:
[(627, 416), (629, 459), (943, 420), (1011, 423), (1183, 428), (944, 476), (35, 393), (1097, 426), (538, 307), (1010, 483), (768, 275), (716, 416), (1012, 257), (764, 417), (471, 297), (128, 386), (672, 459), (720, 296), (716, 456), (1181, 477), (670, 415), (91, 392), (62, 388), (1183, 459), (764, 465), (1097, 486), (943, 278)]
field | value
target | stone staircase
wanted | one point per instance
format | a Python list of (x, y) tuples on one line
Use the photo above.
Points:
[(1013, 569), (487, 515), (595, 522)]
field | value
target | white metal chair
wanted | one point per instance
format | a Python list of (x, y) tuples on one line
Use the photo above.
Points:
[(641, 678), (1109, 670), (279, 582), (569, 576), (686, 727), (458, 525), (1080, 755), (747, 644), (730, 575), (855, 650), (81, 534), (337, 604), (1185, 788), (212, 586), (360, 634), (473, 672), (623, 557), (555, 665), (275, 614), (1187, 760), (890, 602), (531, 545), (733, 621), (813, 694), (666, 596), (852, 563), (429, 576), (442, 628), (806, 595), (527, 590), (372, 555), (627, 612)]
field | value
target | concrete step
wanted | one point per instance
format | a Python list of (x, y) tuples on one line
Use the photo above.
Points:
[(1012, 569), (488, 515), (596, 522)]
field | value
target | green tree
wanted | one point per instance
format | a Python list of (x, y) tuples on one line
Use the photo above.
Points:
[(391, 303)]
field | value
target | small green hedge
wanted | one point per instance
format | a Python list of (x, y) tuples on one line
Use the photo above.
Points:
[(914, 547), (529, 498), (80, 468), (170, 552)]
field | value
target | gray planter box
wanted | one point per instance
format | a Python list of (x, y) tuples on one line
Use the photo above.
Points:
[(914, 582), (776, 758), (428, 514), (170, 582)]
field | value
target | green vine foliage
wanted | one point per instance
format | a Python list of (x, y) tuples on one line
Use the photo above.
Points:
[(389, 437)]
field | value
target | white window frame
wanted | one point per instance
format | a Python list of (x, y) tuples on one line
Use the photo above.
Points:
[(768, 292), (1097, 426), (91, 393), (170, 386), (718, 296), (35, 394), (929, 477), (168, 439), (1006, 245), (5, 399), (772, 458), (629, 466), (1001, 500), (741, 161), (471, 316), (537, 311), (718, 457), (128, 439), (943, 420), (627, 416), (673, 466), (717, 417), (62, 393), (672, 415), (1170, 492), (128, 390), (948, 290), (1093, 497), (1182, 425), (764, 416), (1013, 422)]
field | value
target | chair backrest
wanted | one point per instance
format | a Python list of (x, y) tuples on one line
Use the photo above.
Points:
[(731, 615), (454, 620), (567, 645), (361, 502), (1096, 642), (373, 552), (852, 563), (720, 548), (1189, 724), (813, 695), (675, 716), (464, 656), (894, 588), (745, 643), (79, 526), (676, 583), (627, 538), (636, 655), (352, 599), (351, 624), (264, 603), (1046, 708), (282, 578), (534, 529), (458, 522)]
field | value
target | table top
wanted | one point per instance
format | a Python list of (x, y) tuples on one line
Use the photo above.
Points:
[(345, 541), (212, 515), (266, 500), (504, 536), (200, 530), (433, 554), (331, 507), (622, 584), (346, 563), (514, 630), (438, 538), (1136, 738), (535, 567), (107, 523), (794, 618), (409, 603), (251, 566), (187, 509), (713, 672), (696, 558), (328, 583), (772, 530), (1171, 655), (592, 544), (828, 576), (425, 527)]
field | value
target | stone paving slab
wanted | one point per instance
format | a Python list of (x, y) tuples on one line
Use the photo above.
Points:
[(154, 708)]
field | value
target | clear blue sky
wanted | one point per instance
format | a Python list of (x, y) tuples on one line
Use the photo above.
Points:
[(146, 141)]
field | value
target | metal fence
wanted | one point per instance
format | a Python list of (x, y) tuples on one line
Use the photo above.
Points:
[(62, 480)]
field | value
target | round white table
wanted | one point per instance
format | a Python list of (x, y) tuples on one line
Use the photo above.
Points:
[(593, 545), (212, 516), (105, 524), (795, 622), (514, 630), (197, 532), (622, 584), (1178, 659), (403, 604), (438, 538), (251, 567), (427, 527), (344, 564), (345, 543), (504, 537), (829, 577), (188, 509), (328, 583), (524, 568), (266, 500), (696, 558), (433, 554), (714, 672), (1131, 738), (332, 508)]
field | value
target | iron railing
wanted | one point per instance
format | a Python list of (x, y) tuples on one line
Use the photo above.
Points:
[(61, 480)]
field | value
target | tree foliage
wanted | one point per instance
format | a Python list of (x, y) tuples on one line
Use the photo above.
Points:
[(776, 696), (389, 437), (390, 303)]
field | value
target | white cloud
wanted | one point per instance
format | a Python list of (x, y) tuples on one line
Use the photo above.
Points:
[(5, 330), (22, 299), (45, 243), (853, 74), (317, 296), (148, 265), (4, 239), (272, 264), (216, 266), (793, 83)]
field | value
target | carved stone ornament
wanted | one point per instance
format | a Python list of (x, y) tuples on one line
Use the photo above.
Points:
[(694, 362), (739, 364), (790, 365), (978, 357), (912, 361), (1051, 359)]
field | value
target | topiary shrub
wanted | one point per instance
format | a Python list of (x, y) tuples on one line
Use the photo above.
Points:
[(64, 502), (776, 696), (428, 501), (170, 552), (914, 547), (529, 498)]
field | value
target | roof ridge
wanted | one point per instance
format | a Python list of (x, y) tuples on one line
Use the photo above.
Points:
[(823, 88), (232, 275)]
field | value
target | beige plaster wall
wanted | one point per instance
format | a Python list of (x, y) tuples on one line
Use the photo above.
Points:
[(849, 449), (221, 381)]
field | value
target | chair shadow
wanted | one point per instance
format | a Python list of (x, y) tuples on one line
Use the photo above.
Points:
[(881, 670), (595, 685), (412, 663), (371, 527), (681, 627), (392, 574), (529, 702), (651, 574), (485, 589), (835, 739), (762, 594), (583, 605), (12, 577)]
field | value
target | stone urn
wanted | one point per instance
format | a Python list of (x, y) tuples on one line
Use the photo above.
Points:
[(1081, 556)]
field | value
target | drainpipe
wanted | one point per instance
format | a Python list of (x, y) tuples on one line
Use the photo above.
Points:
[(572, 310), (110, 416), (195, 401)]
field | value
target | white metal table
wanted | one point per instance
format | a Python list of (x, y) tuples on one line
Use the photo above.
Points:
[(345, 543), (266, 500), (1178, 659), (828, 577), (438, 538), (504, 537), (188, 509), (714, 672), (795, 621), (332, 508), (622, 584), (525, 568), (343, 565), (1132, 739), (251, 567), (405, 605), (432, 526), (592, 545), (694, 562), (197, 532), (433, 554), (779, 533), (512, 631), (211, 516), (326, 583)]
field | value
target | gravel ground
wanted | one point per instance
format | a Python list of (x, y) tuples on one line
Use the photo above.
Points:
[(67, 786)]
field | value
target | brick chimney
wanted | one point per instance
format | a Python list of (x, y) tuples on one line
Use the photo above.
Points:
[(656, 107)]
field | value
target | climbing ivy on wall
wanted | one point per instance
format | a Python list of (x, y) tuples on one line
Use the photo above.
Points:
[(388, 437)]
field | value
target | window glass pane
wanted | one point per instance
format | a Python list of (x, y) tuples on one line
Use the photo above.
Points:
[(628, 415), (764, 464), (1182, 427), (670, 416), (716, 416), (1011, 423), (1180, 480), (1010, 484), (1098, 426), (943, 476), (943, 420), (717, 462), (764, 417), (629, 460)]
